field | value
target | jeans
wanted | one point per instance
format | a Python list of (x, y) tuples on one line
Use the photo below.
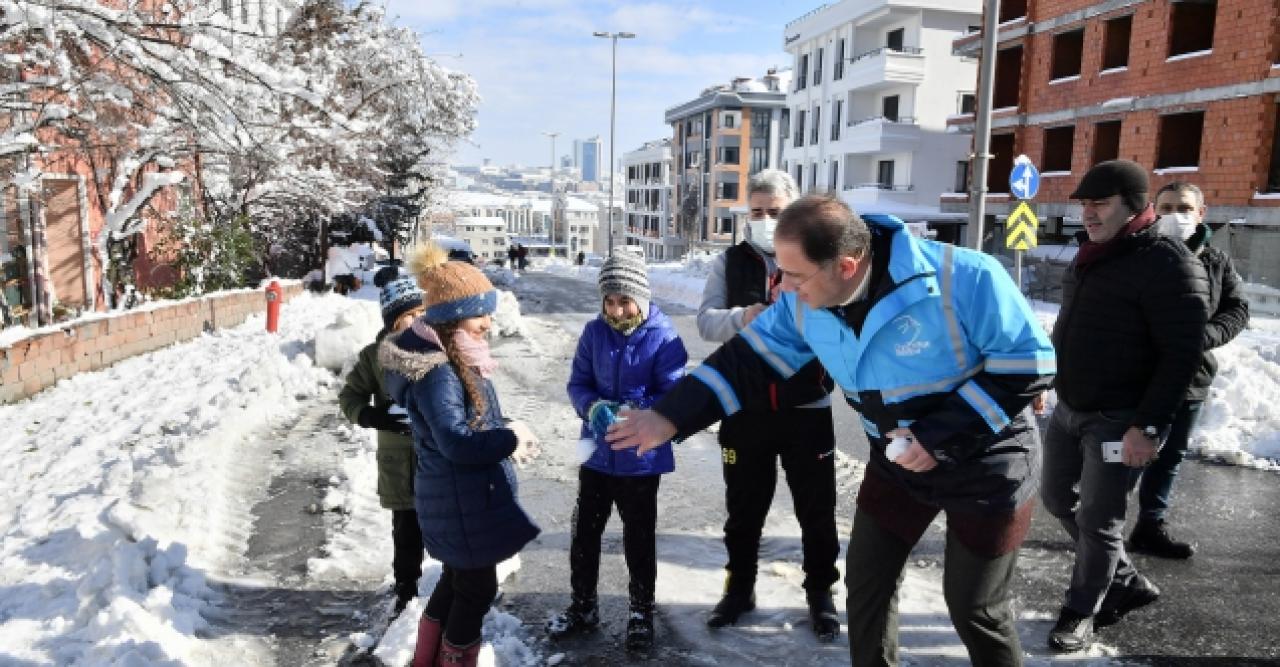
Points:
[(1157, 480), (637, 501), (460, 601), (1089, 497)]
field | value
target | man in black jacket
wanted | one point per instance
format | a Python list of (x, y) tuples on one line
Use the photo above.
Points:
[(1128, 340), (741, 286), (1181, 209)]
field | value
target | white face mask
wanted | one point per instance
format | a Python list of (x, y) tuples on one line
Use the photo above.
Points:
[(760, 233), (1177, 225)]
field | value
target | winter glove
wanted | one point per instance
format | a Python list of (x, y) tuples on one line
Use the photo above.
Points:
[(383, 420), (602, 414), (527, 445)]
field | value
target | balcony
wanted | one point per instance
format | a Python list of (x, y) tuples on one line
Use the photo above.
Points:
[(881, 135), (868, 196), (883, 67)]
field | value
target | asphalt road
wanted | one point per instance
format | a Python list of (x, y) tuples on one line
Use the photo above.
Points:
[(1222, 607)]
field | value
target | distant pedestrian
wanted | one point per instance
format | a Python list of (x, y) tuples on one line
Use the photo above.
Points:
[(465, 486), (1128, 341), (523, 255), (629, 355), (401, 302), (582, 258), (1181, 209), (513, 255)]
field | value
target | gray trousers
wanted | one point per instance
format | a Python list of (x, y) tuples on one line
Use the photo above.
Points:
[(1089, 497)]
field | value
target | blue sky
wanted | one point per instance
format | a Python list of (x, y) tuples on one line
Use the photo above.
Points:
[(539, 69)]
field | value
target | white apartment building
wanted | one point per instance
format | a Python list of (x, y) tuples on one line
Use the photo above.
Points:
[(487, 236), (873, 87), (527, 219), (647, 208)]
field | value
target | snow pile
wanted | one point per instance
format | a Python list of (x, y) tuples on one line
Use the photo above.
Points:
[(1240, 422), (355, 327), (112, 506)]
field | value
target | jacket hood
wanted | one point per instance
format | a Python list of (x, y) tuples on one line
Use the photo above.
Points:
[(409, 355)]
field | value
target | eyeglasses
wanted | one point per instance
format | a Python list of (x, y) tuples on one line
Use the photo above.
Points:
[(795, 280)]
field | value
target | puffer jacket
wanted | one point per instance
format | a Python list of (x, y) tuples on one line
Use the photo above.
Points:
[(395, 451), (465, 488), (1228, 309), (635, 369)]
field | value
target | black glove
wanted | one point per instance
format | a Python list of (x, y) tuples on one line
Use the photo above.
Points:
[(383, 420)]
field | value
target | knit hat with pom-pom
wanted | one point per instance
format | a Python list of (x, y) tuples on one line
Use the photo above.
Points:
[(455, 290)]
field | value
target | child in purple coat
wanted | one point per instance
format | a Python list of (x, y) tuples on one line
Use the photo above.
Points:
[(627, 357)]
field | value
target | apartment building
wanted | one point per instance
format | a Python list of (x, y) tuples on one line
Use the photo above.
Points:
[(720, 139), (1188, 89), (649, 223), (487, 237), (874, 85), (528, 218)]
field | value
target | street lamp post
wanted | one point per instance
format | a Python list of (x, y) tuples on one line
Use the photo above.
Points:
[(613, 103), (551, 235)]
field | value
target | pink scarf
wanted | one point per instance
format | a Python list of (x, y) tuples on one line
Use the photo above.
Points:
[(474, 353)]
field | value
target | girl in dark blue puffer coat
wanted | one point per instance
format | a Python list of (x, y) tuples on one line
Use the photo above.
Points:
[(627, 357), (465, 484)]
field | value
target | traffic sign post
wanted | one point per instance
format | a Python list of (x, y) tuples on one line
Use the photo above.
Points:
[(1021, 225)]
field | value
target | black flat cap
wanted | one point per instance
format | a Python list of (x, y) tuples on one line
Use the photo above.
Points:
[(1115, 177)]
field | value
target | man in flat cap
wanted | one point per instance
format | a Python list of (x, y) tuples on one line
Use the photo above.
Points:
[(1128, 341)]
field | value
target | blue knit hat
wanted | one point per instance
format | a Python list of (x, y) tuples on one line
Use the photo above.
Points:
[(398, 297)]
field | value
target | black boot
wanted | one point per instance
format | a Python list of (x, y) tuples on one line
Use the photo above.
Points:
[(640, 628), (823, 615), (1121, 600), (1072, 632), (405, 591), (1151, 537), (739, 598), (582, 616)]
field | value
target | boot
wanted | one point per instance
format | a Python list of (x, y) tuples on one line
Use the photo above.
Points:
[(458, 656), (582, 616), (1072, 632), (1121, 600), (739, 598), (1151, 537), (429, 631), (823, 615), (640, 628)]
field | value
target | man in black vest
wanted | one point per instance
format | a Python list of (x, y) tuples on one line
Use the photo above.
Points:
[(740, 286)]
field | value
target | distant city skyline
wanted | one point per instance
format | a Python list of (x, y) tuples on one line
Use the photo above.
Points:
[(538, 69)]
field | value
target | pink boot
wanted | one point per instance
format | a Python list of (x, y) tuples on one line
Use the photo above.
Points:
[(429, 631), (453, 656)]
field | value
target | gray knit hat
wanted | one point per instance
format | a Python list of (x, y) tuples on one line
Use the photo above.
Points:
[(624, 273)]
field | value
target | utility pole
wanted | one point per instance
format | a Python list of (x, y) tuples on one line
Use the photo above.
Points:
[(551, 237), (982, 129), (613, 104)]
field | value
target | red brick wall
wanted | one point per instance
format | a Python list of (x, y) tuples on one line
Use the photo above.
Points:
[(37, 362)]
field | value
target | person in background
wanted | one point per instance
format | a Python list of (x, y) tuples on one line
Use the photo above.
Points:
[(582, 258), (630, 354), (401, 303), (742, 283), (1128, 340), (1181, 209), (465, 486)]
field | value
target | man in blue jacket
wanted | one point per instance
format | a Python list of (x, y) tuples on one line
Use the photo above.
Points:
[(931, 344)]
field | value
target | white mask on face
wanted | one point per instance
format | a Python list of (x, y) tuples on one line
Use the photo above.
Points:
[(1177, 225), (760, 233)]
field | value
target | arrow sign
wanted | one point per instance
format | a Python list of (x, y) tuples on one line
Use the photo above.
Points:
[(1021, 226), (1024, 178)]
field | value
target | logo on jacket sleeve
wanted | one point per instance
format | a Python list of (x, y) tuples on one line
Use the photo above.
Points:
[(910, 329)]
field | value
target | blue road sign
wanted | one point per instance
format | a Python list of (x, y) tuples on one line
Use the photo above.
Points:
[(1024, 179)]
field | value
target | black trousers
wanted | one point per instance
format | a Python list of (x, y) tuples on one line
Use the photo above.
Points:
[(637, 501), (751, 444), (461, 599), (406, 538)]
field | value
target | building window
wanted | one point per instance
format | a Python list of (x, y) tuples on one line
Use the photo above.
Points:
[(962, 176), (760, 124), (244, 11), (728, 155), (784, 123), (226, 7), (884, 174), (968, 103), (894, 39), (836, 107), (727, 191), (1058, 142), (1068, 50), (729, 119), (799, 175), (1008, 78), (817, 122), (838, 66), (801, 72), (1191, 26), (1106, 141), (725, 226), (1115, 42), (759, 159), (1012, 9), (1273, 173), (834, 183), (799, 129), (817, 68), (1001, 163), (889, 108), (813, 177), (1180, 140)]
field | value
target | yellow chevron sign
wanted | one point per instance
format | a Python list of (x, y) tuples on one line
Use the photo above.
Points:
[(1021, 228)]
